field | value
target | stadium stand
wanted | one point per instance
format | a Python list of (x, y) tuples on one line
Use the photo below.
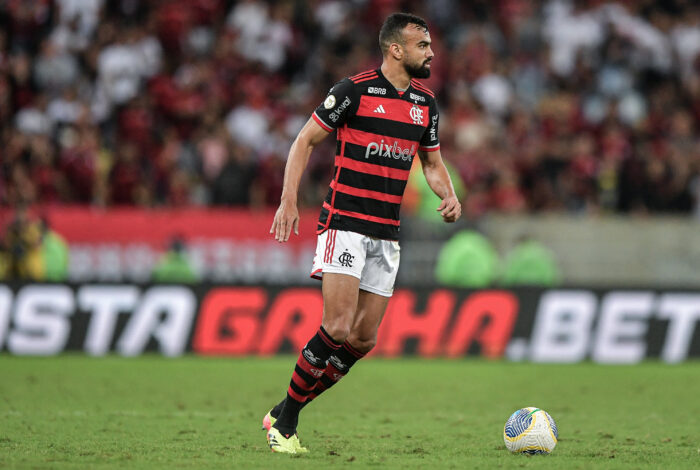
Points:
[(581, 106)]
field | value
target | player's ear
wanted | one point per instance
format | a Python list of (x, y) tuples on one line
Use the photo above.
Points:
[(396, 51)]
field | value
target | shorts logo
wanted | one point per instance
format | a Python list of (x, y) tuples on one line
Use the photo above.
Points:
[(416, 114), (346, 259)]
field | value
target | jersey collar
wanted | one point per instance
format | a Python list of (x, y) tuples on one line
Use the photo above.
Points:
[(392, 89)]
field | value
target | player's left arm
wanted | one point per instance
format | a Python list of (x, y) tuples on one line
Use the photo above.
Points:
[(440, 182)]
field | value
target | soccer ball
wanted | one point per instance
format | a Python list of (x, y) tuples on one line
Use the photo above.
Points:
[(530, 431)]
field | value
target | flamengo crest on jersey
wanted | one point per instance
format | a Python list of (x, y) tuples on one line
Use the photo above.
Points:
[(417, 115), (379, 132)]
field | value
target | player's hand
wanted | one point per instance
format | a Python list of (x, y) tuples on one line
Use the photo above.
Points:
[(450, 209), (286, 219)]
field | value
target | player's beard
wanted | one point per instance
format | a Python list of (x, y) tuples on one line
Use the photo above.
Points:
[(418, 71)]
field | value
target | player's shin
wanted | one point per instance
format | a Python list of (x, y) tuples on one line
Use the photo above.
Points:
[(310, 366), (339, 365)]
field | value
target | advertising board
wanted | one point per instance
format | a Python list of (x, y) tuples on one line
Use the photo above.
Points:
[(540, 325)]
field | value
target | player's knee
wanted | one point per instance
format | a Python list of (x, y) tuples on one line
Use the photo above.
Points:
[(364, 345), (337, 330)]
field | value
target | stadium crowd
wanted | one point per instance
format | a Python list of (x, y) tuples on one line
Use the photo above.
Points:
[(579, 106)]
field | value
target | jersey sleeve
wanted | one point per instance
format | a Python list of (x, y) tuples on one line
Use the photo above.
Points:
[(338, 105), (430, 140)]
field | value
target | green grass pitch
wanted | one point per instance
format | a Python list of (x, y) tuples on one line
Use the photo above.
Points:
[(192, 412)]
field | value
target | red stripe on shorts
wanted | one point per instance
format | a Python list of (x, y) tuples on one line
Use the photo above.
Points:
[(335, 233), (330, 246)]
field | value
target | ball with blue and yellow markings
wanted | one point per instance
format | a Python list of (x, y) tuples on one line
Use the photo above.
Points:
[(530, 431)]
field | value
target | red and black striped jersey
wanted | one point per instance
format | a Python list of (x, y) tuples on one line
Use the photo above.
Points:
[(379, 132)]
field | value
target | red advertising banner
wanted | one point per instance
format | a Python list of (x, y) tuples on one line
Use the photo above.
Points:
[(221, 245), (81, 224)]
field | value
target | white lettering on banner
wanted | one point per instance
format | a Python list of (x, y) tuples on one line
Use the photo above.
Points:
[(5, 308), (177, 304), (567, 326), (222, 266), (81, 264), (41, 324), (622, 327), (252, 261), (683, 312), (562, 329), (562, 326), (105, 303), (109, 262), (138, 262), (217, 260), (276, 258)]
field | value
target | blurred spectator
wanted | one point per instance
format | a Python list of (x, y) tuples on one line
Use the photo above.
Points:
[(54, 69), (174, 265), (469, 260), (551, 105), (34, 119), (23, 245), (54, 252), (123, 65), (420, 198), (127, 180), (530, 263)]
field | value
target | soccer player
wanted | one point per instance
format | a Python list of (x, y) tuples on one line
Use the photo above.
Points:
[(384, 118)]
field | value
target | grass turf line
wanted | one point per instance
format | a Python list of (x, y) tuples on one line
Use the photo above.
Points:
[(191, 412)]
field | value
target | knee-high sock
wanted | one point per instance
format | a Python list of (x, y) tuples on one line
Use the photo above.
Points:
[(310, 366), (339, 365)]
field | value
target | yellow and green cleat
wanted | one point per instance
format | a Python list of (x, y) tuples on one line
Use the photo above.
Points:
[(278, 442)]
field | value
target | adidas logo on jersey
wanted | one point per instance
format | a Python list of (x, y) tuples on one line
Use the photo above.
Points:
[(380, 109)]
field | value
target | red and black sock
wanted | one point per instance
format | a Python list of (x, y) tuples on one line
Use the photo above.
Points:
[(309, 368), (339, 364)]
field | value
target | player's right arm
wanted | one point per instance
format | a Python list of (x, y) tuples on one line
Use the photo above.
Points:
[(330, 114), (287, 215)]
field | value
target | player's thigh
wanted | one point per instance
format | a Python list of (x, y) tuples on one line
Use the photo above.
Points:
[(381, 267), (370, 312), (340, 302)]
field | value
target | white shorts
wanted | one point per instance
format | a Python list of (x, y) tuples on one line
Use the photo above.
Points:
[(373, 261)]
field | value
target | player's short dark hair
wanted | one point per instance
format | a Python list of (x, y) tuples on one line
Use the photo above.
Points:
[(393, 27)]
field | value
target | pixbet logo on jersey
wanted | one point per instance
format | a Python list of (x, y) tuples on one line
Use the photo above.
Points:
[(386, 150)]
